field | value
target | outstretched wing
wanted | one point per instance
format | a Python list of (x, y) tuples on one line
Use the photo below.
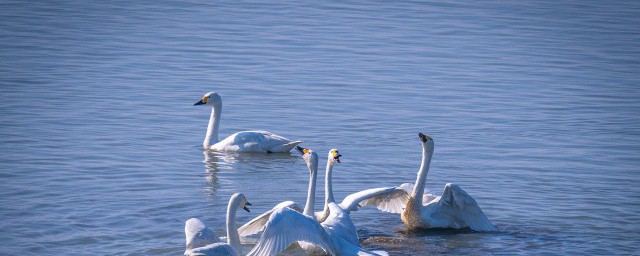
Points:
[(286, 226), (426, 197), (257, 224), (388, 199), (198, 235), (466, 208)]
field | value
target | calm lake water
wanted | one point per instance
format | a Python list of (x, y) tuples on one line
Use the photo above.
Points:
[(533, 105)]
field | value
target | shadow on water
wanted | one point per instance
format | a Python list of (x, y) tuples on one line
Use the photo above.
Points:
[(427, 241), (217, 162)]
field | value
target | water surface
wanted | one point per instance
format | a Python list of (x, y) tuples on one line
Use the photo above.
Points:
[(533, 107)]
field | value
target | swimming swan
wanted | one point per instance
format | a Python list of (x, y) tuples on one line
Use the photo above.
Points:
[(201, 240), (336, 235), (246, 141), (453, 209)]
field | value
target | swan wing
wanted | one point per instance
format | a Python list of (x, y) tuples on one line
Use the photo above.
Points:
[(388, 199), (465, 208), (348, 248), (286, 226), (198, 234), (255, 141), (426, 197), (257, 224)]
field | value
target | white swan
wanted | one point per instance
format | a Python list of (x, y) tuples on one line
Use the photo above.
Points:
[(200, 240), (246, 141), (257, 224), (453, 209), (336, 235)]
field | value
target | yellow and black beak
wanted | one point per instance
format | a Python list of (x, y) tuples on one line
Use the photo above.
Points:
[(424, 138), (336, 156), (245, 207), (302, 150), (201, 102)]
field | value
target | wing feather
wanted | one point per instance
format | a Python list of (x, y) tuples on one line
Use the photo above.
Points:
[(466, 208), (198, 234), (286, 226), (388, 199), (257, 224)]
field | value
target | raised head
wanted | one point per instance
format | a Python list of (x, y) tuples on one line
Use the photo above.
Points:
[(334, 156), (426, 141), (241, 200), (310, 157), (210, 98)]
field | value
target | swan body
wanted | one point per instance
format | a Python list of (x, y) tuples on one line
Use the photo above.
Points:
[(201, 240), (455, 208), (245, 141)]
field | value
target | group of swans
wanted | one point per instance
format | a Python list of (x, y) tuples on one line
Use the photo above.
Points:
[(330, 230)]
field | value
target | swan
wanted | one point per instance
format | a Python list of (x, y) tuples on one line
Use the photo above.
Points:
[(257, 224), (453, 209), (245, 141), (200, 240), (336, 234)]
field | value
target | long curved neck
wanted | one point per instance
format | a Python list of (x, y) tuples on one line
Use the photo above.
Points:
[(328, 186), (418, 188), (311, 194), (212, 130), (233, 238)]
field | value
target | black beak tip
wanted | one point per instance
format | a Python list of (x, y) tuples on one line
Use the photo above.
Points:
[(300, 149), (424, 138), (198, 103), (249, 204), (246, 209)]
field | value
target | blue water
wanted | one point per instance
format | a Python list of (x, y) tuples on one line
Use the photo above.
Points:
[(533, 106)]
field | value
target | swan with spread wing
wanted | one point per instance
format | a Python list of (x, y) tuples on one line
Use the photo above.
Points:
[(455, 208)]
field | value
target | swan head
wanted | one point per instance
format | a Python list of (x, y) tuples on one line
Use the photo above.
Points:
[(334, 156), (241, 200), (310, 157), (426, 141), (211, 98)]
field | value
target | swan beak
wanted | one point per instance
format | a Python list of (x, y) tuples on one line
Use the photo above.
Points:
[(199, 103), (302, 150), (337, 158), (246, 209), (424, 138)]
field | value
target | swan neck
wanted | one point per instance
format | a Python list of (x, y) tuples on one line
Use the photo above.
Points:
[(214, 123), (233, 238), (328, 186), (418, 189), (311, 194)]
